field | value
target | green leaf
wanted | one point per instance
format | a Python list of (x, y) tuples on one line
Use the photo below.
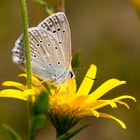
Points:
[(41, 104), (13, 134), (48, 8), (71, 133), (76, 59), (37, 123)]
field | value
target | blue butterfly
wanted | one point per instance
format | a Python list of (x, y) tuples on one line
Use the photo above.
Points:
[(50, 49)]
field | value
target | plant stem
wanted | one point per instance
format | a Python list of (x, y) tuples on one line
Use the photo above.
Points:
[(61, 5), (26, 42), (27, 56)]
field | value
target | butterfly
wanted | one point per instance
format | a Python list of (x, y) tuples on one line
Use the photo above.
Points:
[(50, 49)]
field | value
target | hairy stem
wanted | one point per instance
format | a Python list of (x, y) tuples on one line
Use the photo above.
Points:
[(27, 56), (26, 42)]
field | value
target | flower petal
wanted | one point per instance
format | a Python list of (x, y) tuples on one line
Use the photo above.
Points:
[(124, 97), (72, 86), (88, 81), (14, 84), (104, 88), (35, 81), (13, 93), (105, 103), (123, 103), (99, 104), (88, 113), (78, 101), (104, 115), (69, 86), (32, 91), (95, 113)]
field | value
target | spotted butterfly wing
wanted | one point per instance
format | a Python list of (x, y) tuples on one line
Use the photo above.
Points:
[(58, 25), (48, 51)]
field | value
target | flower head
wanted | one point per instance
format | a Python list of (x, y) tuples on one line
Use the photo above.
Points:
[(67, 104), (72, 104)]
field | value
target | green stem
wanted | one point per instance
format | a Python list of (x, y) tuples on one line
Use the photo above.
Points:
[(26, 42), (61, 5), (27, 56)]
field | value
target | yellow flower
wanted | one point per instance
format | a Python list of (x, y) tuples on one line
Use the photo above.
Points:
[(67, 105), (76, 104)]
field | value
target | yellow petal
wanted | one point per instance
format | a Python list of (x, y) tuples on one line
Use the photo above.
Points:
[(103, 89), (62, 87), (68, 87), (35, 81), (72, 86), (99, 104), (87, 113), (123, 103), (104, 115), (13, 93), (105, 103), (95, 113), (14, 84), (88, 81), (124, 97), (78, 101), (28, 92)]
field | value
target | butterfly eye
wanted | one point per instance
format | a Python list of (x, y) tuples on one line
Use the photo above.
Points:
[(43, 67), (54, 31), (63, 31), (34, 55), (60, 42), (58, 29), (37, 44)]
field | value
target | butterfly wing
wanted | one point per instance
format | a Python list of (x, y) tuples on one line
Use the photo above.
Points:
[(57, 24), (45, 54)]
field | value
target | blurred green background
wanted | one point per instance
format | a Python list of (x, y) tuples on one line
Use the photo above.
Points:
[(108, 34)]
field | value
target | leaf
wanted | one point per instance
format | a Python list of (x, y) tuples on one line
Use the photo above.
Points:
[(13, 134), (76, 59), (37, 123), (41, 104), (48, 8), (71, 133)]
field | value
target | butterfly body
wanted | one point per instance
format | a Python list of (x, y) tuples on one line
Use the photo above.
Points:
[(50, 49)]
